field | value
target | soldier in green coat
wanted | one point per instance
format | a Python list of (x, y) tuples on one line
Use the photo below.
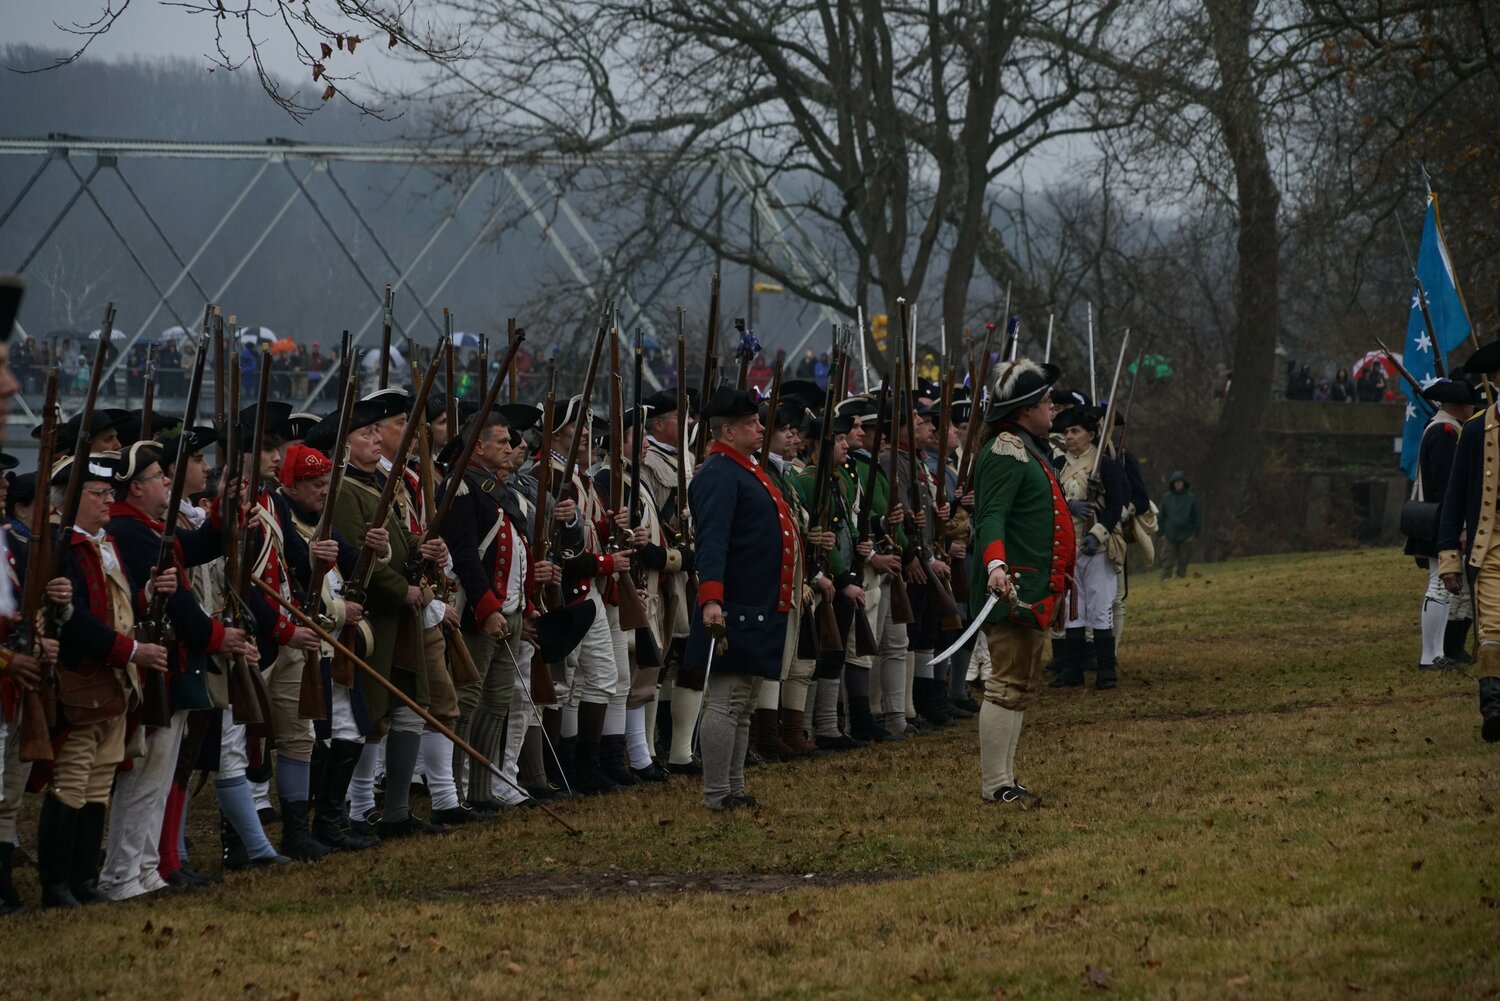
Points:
[(1024, 542), (392, 605)]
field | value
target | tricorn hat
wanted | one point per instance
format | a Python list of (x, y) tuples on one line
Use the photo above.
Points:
[(1485, 359), (1452, 391), (1019, 384), (561, 630), (730, 402)]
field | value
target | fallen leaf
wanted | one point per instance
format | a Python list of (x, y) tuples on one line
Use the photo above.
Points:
[(514, 968), (1239, 981), (1417, 864), (391, 42), (328, 94), (1352, 986), (795, 918), (326, 49), (352, 41), (1096, 978)]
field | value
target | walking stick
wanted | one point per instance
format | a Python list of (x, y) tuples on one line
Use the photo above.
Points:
[(427, 717)]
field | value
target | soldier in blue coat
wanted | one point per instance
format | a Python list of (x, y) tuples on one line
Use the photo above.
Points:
[(1466, 541), (739, 517)]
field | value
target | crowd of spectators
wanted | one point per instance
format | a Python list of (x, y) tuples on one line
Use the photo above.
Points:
[(1371, 386)]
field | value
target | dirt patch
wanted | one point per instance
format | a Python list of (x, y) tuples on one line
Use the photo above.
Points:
[(561, 886)]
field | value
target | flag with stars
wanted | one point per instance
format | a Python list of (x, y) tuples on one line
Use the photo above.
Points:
[(1450, 324)]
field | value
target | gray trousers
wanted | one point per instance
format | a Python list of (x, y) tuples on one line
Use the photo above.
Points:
[(724, 735), (1173, 556), (483, 707)]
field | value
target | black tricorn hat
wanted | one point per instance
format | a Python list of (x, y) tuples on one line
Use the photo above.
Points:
[(8, 461), (805, 391), (1019, 384), (296, 426), (321, 435), (1083, 417), (561, 630), (135, 459), (100, 467), (661, 402), (67, 435), (22, 490), (12, 287), (521, 416), (277, 413), (132, 424), (195, 439), (1452, 391), (730, 402), (1485, 359)]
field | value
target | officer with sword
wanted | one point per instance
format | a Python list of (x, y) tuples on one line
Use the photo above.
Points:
[(1024, 541)]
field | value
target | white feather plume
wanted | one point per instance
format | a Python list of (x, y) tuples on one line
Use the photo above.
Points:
[(1009, 371)]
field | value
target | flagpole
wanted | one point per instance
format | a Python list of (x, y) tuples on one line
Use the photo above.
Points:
[(1437, 219)]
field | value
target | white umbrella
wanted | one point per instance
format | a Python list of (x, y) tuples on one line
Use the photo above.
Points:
[(251, 334), (371, 360), (115, 334), (465, 340), (174, 334)]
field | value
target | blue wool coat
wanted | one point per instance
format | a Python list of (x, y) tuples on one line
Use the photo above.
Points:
[(743, 548)]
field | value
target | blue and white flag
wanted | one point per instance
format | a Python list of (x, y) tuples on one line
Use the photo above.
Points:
[(1450, 324)]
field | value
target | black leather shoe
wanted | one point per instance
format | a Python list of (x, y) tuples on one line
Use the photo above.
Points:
[(59, 895), (178, 881), (743, 802), (691, 768), (465, 813), (267, 815), (388, 829), (202, 879), (1491, 728), (652, 773), (269, 862)]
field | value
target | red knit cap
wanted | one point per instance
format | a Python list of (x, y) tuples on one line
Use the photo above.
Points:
[(304, 463)]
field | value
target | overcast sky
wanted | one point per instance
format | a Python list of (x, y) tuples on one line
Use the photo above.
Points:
[(150, 29)]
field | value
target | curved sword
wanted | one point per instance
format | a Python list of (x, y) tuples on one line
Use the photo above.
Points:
[(978, 621)]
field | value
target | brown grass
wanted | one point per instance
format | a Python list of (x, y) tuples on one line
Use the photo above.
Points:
[(1273, 804)]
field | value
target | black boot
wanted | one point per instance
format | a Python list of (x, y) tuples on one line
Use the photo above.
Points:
[(1056, 663), (928, 695), (88, 838), (1104, 650), (56, 831), (564, 771), (1071, 674), (663, 729), (589, 777), (232, 852), (10, 900), (330, 820), (614, 760), (1090, 656), (1489, 708), (862, 724), (297, 841), (1454, 636)]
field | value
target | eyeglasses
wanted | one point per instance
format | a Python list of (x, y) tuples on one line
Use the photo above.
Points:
[(153, 476), (98, 491)]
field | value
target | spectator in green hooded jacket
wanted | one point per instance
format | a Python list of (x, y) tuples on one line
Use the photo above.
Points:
[(1181, 520)]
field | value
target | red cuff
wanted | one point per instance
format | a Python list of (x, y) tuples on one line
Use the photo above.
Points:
[(120, 651), (283, 630), (604, 565), (215, 636), (491, 602), (994, 551), (710, 590)]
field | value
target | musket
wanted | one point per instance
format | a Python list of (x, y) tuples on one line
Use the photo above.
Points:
[(1135, 377), (81, 448), (1047, 351), (149, 396), (960, 583), (470, 436), (582, 432), (1013, 328), (310, 697), (387, 321), (1109, 411), (221, 421), (156, 708), (627, 600), (647, 651), (1416, 387), (448, 382), (397, 694), (459, 659), (539, 534), (830, 638), (979, 380), (358, 582), (865, 644), (937, 588), (684, 529), (39, 708), (510, 336), (248, 694), (710, 364), (484, 365), (901, 610)]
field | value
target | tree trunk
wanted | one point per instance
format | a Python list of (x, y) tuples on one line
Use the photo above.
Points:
[(1235, 450)]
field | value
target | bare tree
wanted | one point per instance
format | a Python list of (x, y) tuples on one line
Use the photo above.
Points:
[(876, 129)]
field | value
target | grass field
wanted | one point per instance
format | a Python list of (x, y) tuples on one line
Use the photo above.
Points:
[(1274, 803)]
